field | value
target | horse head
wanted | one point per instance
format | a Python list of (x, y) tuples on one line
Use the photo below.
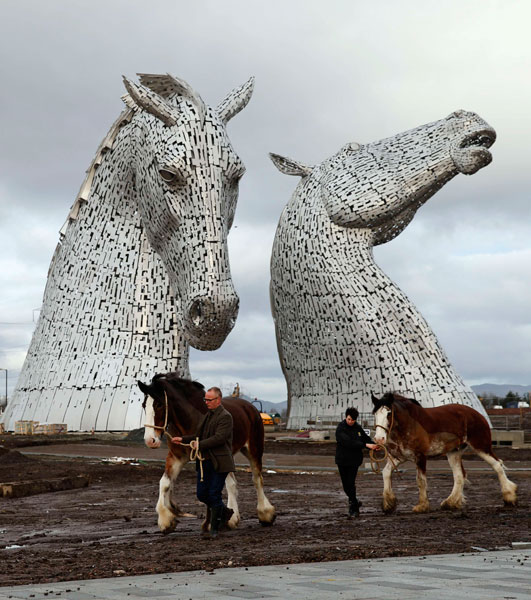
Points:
[(379, 186), (170, 401), (388, 413), (186, 181)]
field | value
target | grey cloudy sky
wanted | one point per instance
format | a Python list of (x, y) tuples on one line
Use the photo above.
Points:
[(326, 73)]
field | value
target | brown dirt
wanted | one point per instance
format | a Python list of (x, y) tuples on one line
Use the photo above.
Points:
[(109, 528)]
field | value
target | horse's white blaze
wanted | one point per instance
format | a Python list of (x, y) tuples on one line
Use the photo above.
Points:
[(232, 499), (167, 517), (456, 499), (381, 424), (508, 488), (151, 437)]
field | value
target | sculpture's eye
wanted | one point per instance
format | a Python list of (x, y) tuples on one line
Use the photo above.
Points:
[(169, 176)]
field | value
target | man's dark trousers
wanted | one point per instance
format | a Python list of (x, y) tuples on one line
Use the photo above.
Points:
[(209, 490), (348, 479)]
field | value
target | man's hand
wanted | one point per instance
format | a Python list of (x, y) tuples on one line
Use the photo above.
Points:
[(373, 446), (176, 440)]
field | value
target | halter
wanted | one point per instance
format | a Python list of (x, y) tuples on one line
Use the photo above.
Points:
[(165, 418), (375, 462), (388, 431), (195, 453)]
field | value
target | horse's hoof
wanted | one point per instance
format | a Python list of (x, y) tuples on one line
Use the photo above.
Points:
[(267, 523), (389, 506), (168, 530), (446, 505), (510, 503), (421, 508), (165, 529)]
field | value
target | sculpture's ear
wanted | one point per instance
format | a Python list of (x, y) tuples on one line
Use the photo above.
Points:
[(288, 166), (235, 101), (151, 102), (143, 388)]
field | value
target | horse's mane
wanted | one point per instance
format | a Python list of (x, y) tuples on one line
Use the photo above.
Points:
[(163, 85), (390, 398), (192, 390)]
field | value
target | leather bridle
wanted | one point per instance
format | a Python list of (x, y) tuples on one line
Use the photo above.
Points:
[(387, 430), (163, 429)]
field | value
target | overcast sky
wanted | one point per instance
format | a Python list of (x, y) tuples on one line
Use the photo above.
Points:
[(327, 73)]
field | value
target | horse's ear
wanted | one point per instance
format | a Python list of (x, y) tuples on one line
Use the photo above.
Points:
[(288, 166), (151, 102), (143, 388), (235, 101), (374, 399)]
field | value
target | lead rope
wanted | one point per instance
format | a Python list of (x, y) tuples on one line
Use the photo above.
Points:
[(375, 462), (195, 453)]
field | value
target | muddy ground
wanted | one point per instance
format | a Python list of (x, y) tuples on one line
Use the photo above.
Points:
[(108, 529)]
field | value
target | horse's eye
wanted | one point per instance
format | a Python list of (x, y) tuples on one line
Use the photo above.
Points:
[(168, 176)]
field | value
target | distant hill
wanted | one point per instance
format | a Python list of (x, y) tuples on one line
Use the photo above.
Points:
[(269, 407), (501, 389)]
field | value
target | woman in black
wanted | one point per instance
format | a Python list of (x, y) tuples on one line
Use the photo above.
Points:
[(351, 440)]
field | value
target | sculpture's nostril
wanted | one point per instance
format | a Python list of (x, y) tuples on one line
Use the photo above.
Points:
[(197, 311)]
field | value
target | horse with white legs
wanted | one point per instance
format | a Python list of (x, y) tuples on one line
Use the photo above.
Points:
[(174, 407), (411, 432)]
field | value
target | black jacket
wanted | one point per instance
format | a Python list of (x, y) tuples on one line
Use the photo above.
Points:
[(215, 439), (351, 440)]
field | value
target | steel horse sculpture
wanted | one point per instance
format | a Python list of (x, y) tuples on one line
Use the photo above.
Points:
[(343, 327), (142, 269), (180, 403), (411, 432)]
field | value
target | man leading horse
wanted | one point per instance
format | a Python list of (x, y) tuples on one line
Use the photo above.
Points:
[(214, 435)]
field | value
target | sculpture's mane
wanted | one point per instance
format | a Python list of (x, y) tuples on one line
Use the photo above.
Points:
[(164, 86)]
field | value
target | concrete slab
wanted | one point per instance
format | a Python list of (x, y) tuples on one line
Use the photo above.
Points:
[(479, 576)]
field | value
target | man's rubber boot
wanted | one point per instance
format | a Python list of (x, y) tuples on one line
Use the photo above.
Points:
[(215, 520)]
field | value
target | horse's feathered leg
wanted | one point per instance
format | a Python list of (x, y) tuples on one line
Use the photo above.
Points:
[(232, 500), (389, 499), (456, 499), (264, 508), (167, 511), (508, 488), (423, 504)]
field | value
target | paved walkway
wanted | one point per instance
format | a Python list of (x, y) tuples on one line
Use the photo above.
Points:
[(500, 575)]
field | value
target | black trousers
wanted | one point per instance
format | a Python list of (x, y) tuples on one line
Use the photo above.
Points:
[(348, 479), (209, 490)]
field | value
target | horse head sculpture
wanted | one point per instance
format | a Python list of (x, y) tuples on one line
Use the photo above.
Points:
[(184, 157), (410, 168), (343, 328), (141, 270)]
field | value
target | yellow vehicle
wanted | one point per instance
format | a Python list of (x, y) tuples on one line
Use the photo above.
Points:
[(266, 419)]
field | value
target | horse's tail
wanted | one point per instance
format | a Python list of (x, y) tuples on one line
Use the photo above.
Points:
[(256, 441), (478, 433)]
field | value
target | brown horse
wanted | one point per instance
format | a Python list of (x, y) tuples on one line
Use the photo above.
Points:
[(176, 406), (411, 432)]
